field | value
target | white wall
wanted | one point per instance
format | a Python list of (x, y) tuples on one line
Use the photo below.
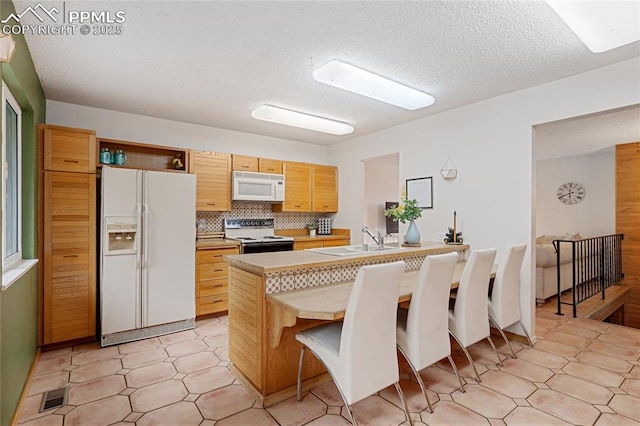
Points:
[(139, 128), (491, 144), (595, 215)]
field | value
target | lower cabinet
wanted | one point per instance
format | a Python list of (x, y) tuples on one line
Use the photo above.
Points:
[(301, 245), (211, 280)]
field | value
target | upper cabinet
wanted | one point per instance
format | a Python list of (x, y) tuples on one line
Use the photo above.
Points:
[(68, 150), (213, 180), (309, 188), (324, 189), (297, 188), (244, 163), (267, 165), (147, 157)]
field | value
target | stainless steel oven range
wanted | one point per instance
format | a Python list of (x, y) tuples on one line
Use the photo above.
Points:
[(256, 235)]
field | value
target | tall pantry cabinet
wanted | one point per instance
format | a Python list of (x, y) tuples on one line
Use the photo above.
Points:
[(67, 233)]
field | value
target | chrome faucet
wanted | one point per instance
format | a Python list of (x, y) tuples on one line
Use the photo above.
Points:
[(379, 240)]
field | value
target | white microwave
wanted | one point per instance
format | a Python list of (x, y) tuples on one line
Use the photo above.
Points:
[(250, 186)]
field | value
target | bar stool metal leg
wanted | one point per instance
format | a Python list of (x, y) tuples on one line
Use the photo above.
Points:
[(418, 378), (468, 357), (513, 354), (404, 403), (495, 350), (526, 334), (455, 370), (299, 386)]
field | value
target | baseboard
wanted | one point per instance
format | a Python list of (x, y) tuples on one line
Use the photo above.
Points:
[(25, 389)]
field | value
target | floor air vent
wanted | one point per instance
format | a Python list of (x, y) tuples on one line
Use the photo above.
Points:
[(54, 399)]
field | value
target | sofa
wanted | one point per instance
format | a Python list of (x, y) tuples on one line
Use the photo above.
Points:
[(546, 273)]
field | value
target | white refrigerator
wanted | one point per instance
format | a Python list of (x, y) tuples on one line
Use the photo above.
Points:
[(147, 255)]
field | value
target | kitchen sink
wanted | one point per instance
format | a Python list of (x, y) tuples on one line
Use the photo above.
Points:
[(355, 250)]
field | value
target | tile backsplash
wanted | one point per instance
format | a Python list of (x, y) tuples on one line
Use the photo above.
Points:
[(286, 220)]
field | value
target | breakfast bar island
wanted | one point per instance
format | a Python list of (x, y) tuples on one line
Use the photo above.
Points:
[(273, 296)]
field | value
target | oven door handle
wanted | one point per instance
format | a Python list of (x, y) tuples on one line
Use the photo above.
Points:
[(262, 247)]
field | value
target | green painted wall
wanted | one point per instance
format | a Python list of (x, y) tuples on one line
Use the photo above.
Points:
[(18, 317), (19, 303)]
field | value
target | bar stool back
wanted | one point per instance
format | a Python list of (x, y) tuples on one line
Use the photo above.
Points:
[(466, 323), (504, 303), (423, 331), (360, 352)]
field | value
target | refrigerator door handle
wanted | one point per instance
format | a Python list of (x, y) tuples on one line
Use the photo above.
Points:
[(145, 250), (145, 233)]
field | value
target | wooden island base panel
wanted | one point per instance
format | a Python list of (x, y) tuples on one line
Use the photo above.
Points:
[(273, 296)]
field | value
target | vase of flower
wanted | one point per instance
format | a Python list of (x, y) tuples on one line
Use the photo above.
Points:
[(407, 211), (413, 235)]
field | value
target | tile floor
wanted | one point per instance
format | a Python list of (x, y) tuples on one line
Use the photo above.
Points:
[(580, 372)]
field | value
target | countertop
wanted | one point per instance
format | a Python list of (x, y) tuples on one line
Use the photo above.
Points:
[(263, 263)]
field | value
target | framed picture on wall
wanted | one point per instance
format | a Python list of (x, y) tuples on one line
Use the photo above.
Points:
[(421, 190)]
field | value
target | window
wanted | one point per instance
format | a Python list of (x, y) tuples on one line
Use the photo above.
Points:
[(11, 179)]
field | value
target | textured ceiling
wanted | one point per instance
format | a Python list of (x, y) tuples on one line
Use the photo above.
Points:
[(587, 134), (212, 63)]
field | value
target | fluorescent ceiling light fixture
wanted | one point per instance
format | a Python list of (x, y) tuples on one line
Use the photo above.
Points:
[(301, 120), (601, 25), (348, 77)]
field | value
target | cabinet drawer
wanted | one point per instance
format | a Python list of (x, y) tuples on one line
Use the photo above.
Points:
[(212, 304), (333, 243), (208, 271), (215, 255), (301, 245), (212, 287)]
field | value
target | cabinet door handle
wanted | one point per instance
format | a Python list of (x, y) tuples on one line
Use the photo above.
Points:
[(297, 205), (244, 166), (71, 161), (218, 285), (70, 256), (217, 270), (218, 301), (211, 204)]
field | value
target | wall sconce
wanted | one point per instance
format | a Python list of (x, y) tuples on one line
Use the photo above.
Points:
[(449, 170), (7, 47)]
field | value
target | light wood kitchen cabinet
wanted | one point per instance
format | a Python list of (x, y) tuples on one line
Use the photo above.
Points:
[(267, 165), (309, 187), (211, 280), (213, 180), (334, 243), (68, 229), (302, 245), (297, 188), (68, 149), (244, 163), (320, 243), (325, 189)]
